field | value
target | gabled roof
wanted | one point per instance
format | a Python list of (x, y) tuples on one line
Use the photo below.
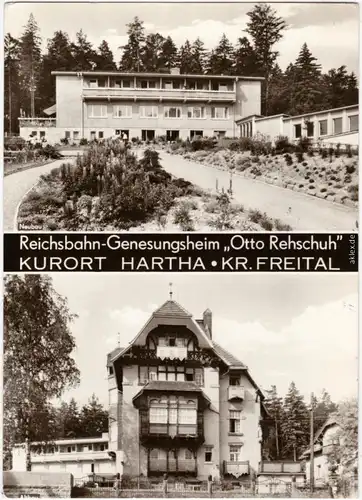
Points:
[(173, 309), (229, 359), (330, 422)]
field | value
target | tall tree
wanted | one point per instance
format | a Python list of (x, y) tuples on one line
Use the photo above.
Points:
[(186, 58), (246, 62), (83, 53), (37, 354), (266, 29), (295, 425), (11, 83), (341, 88), (169, 54), (104, 58), (323, 408), (29, 64), (306, 83), (58, 57), (221, 60), (94, 418), (152, 52), (132, 56), (279, 90), (199, 57), (274, 406)]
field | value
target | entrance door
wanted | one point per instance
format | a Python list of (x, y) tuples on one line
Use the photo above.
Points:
[(172, 135), (148, 135)]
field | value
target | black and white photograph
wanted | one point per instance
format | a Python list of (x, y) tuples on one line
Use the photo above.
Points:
[(152, 386), (181, 116)]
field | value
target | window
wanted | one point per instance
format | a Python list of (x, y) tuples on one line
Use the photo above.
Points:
[(323, 127), (196, 133), (34, 133), (180, 373), (235, 453), (158, 415), (67, 134), (172, 342), (100, 134), (297, 130), (97, 111), (234, 422), (75, 135), (42, 133), (92, 135), (111, 370), (122, 111), (310, 129), (148, 111), (234, 380), (143, 375), (188, 455), (353, 123), (126, 84), (172, 112), (168, 85), (198, 112), (69, 449), (208, 454), (154, 454), (93, 83), (187, 416), (199, 376), (219, 113), (337, 125)]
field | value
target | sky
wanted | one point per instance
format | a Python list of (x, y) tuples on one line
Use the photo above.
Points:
[(330, 30), (284, 327)]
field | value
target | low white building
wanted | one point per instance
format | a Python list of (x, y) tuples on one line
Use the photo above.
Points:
[(81, 457), (332, 126)]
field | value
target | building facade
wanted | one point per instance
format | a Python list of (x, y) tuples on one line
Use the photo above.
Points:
[(333, 126), (96, 105), (80, 457), (180, 404)]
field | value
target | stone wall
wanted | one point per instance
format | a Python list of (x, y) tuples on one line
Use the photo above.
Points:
[(37, 484)]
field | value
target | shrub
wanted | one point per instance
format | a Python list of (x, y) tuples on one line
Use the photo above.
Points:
[(64, 140), (282, 145), (300, 156), (301, 185), (255, 216), (305, 164), (225, 215), (311, 187), (183, 219), (50, 151), (14, 143), (266, 223), (280, 226), (323, 153), (288, 159), (353, 191), (323, 190), (349, 151), (311, 180), (304, 144), (350, 169), (83, 141)]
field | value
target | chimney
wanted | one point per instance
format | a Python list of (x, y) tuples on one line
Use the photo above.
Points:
[(207, 319), (175, 71)]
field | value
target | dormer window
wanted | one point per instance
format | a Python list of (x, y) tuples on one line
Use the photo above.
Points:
[(235, 380)]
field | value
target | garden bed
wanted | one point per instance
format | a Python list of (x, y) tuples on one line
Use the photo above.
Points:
[(330, 173), (110, 189), (13, 168)]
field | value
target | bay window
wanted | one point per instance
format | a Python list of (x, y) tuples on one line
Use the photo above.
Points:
[(158, 415)]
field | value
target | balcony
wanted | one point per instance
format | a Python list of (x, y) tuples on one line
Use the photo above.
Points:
[(37, 122), (171, 352), (236, 469), (236, 392), (161, 465), (66, 457), (159, 95), (280, 468)]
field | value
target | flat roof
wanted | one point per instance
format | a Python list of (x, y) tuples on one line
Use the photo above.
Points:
[(155, 75), (291, 117)]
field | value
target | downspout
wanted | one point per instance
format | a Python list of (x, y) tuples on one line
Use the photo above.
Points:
[(82, 108)]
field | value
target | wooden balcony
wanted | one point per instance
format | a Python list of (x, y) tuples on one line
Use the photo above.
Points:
[(37, 122), (280, 467), (159, 95), (171, 352), (236, 392), (200, 357), (173, 466), (236, 469), (171, 434)]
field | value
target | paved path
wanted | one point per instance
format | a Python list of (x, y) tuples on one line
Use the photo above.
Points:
[(16, 187), (301, 212)]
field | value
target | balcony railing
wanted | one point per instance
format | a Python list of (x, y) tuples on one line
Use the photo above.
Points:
[(236, 392), (64, 457), (172, 352), (236, 468), (37, 122), (173, 430), (199, 357), (133, 94), (161, 464), (280, 467)]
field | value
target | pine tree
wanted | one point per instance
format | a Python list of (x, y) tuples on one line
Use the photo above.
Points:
[(341, 88), (186, 58), (94, 418), (266, 29), (152, 52), (29, 64), (83, 53), (323, 408), (306, 84), (199, 57), (11, 84), (132, 56), (169, 54), (221, 60), (58, 57), (279, 89), (295, 424), (245, 59), (274, 406), (104, 59)]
